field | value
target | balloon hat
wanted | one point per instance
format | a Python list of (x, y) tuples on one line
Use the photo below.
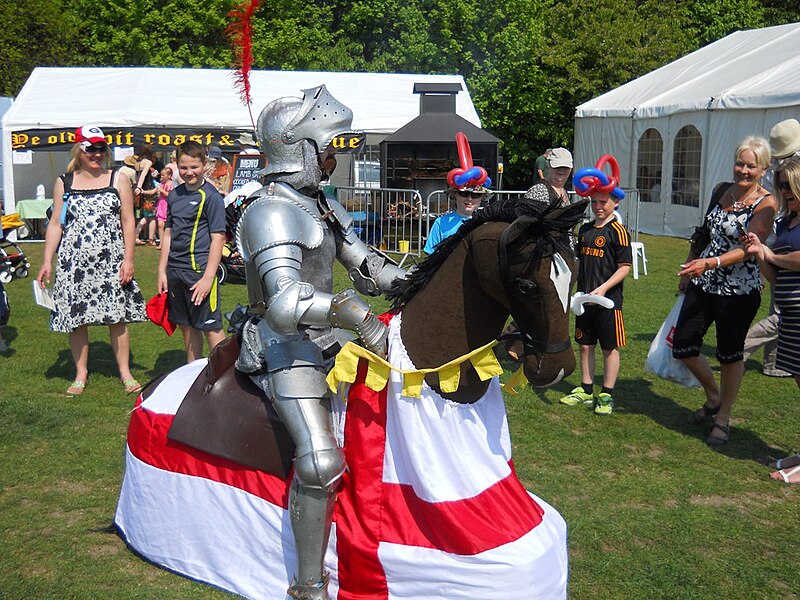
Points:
[(593, 180), (468, 176)]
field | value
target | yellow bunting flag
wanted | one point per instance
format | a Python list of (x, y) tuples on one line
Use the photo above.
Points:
[(346, 366)]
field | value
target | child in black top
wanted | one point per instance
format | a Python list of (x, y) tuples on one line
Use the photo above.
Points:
[(191, 250), (604, 259)]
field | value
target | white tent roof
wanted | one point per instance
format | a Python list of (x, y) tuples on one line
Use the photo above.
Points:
[(758, 68), (130, 97), (66, 98)]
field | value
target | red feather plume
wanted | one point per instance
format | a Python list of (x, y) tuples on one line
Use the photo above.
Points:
[(240, 34)]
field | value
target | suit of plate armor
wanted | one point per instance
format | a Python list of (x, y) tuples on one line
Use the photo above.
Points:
[(289, 236)]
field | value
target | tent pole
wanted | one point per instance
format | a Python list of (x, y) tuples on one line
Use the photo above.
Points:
[(704, 164), (634, 149)]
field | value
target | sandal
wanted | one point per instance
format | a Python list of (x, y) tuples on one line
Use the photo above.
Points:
[(131, 386), (76, 388), (713, 440), (139, 242), (786, 474), (702, 415), (151, 242)]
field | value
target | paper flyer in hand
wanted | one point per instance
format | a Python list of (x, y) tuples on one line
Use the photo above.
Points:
[(43, 296)]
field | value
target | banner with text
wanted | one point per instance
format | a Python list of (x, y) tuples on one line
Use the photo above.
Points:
[(160, 138)]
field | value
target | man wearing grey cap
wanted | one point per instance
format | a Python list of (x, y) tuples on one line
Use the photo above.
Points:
[(218, 170)]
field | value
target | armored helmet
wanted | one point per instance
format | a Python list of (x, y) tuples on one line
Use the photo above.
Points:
[(287, 124)]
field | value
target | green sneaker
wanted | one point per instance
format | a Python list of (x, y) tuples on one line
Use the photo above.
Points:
[(577, 396), (604, 404)]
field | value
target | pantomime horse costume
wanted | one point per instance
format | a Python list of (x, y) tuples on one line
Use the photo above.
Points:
[(418, 447)]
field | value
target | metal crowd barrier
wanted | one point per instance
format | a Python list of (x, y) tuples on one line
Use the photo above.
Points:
[(440, 202), (387, 218), (397, 220)]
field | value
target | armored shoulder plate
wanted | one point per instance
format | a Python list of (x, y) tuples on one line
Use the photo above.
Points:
[(277, 218), (338, 212)]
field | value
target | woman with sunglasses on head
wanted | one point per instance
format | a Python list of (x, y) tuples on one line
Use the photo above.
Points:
[(723, 286), (780, 264), (92, 230)]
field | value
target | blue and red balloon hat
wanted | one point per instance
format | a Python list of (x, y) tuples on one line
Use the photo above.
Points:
[(468, 177), (594, 180)]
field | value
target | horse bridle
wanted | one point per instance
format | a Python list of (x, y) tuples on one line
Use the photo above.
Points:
[(513, 285)]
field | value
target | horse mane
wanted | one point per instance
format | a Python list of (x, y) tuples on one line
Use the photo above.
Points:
[(548, 220)]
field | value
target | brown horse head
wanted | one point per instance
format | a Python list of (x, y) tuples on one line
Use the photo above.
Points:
[(514, 257), (537, 271)]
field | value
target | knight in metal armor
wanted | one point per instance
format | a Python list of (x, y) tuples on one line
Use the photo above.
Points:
[(289, 236)]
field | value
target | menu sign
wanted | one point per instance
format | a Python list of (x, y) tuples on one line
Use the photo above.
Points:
[(247, 168)]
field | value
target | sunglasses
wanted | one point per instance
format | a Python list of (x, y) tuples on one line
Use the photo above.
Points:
[(784, 186), (473, 195), (95, 149)]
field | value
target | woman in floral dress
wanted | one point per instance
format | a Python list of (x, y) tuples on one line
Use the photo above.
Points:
[(92, 229)]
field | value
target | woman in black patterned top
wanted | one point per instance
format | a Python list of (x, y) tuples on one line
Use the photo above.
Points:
[(723, 286)]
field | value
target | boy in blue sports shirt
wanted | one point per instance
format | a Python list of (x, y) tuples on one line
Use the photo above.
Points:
[(191, 250), (468, 200), (604, 260)]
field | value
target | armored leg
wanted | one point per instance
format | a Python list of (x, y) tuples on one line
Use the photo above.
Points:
[(297, 388)]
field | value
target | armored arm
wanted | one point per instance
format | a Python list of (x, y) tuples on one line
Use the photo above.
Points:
[(272, 235), (371, 273)]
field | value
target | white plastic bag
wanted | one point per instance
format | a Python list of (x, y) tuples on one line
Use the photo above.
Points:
[(659, 358)]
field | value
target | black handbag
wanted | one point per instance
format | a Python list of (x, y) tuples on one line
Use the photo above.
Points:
[(701, 237)]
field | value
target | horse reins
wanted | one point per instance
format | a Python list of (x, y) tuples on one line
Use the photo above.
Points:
[(512, 284)]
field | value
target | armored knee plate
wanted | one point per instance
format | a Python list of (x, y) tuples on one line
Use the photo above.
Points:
[(320, 469), (296, 381)]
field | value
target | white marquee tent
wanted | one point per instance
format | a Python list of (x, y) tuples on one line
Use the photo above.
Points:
[(120, 98), (701, 106)]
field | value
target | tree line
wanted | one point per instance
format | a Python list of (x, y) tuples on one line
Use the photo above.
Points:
[(528, 63)]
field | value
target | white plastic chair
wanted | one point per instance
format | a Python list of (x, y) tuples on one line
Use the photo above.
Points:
[(638, 251)]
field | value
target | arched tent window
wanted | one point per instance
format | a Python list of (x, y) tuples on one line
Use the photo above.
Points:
[(648, 174), (686, 167)]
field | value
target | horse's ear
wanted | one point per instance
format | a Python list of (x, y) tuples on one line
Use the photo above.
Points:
[(516, 229), (567, 217)]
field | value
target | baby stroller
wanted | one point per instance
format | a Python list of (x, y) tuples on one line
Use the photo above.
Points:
[(231, 267), (13, 262)]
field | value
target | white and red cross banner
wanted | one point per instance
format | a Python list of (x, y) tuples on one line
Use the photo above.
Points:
[(430, 507)]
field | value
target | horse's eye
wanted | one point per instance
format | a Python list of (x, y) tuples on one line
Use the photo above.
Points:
[(525, 286)]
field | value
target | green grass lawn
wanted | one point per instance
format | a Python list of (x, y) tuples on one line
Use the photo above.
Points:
[(653, 512)]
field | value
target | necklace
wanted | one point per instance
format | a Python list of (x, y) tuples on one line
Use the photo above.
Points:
[(741, 203)]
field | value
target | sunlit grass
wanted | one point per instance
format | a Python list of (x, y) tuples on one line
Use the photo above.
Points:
[(653, 512)]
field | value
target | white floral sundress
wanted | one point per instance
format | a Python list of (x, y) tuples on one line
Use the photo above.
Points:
[(87, 290)]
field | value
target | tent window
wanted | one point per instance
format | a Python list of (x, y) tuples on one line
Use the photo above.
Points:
[(648, 175), (686, 167)]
